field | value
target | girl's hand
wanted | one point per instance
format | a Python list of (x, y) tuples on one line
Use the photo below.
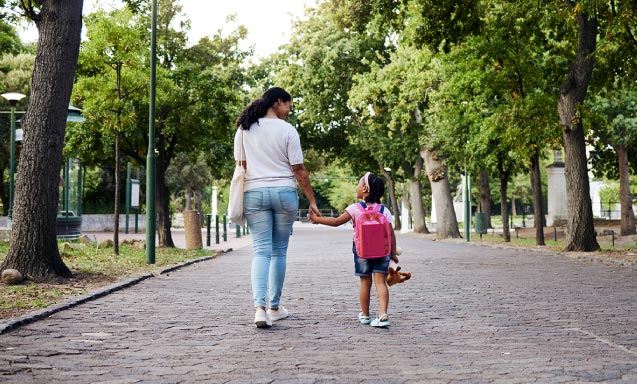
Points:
[(394, 258), (312, 216)]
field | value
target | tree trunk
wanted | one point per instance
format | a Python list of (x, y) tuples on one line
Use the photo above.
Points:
[(162, 200), (199, 204), (394, 202), (34, 250), (447, 225), (580, 235), (417, 209), (188, 200), (538, 206), (514, 210), (485, 196), (627, 214), (504, 208)]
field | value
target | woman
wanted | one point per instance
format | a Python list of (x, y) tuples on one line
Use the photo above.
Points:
[(274, 163)]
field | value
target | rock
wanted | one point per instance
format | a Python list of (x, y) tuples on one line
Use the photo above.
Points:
[(140, 244), (11, 276), (106, 243), (73, 246), (84, 239)]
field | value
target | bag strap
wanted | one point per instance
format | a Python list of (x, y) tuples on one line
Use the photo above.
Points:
[(242, 153), (362, 206)]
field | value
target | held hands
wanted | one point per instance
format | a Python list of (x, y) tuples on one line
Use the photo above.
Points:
[(313, 215)]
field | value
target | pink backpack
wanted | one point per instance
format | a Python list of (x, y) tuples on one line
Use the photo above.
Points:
[(372, 232)]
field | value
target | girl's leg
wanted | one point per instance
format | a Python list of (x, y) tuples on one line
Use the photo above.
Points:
[(364, 294), (382, 291), (285, 205), (259, 219)]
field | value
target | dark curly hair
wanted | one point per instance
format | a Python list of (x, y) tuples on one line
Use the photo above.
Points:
[(259, 107), (376, 189)]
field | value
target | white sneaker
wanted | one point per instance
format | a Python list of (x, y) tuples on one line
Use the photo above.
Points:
[(279, 314), (261, 319)]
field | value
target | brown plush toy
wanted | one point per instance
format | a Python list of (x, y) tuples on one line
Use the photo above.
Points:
[(394, 276)]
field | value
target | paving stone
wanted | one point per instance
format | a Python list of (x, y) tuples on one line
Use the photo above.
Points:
[(470, 314)]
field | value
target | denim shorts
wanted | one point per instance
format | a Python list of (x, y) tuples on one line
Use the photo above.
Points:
[(365, 267)]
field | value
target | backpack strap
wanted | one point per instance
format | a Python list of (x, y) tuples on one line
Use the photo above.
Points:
[(362, 206)]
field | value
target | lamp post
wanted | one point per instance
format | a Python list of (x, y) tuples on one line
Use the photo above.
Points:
[(388, 170), (13, 98), (151, 157), (466, 189)]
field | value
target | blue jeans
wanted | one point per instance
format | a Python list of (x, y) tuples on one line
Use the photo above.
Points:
[(270, 213)]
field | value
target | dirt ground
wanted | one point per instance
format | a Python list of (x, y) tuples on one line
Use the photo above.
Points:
[(45, 294)]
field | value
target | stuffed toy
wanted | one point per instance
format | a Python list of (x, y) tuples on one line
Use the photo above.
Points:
[(394, 275)]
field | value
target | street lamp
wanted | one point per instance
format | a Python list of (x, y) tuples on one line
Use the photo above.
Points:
[(13, 98), (388, 170), (151, 157)]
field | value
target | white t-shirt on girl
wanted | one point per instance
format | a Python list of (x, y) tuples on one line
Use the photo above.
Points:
[(271, 148), (355, 211)]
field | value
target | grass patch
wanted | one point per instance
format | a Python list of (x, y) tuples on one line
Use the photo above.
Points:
[(92, 267)]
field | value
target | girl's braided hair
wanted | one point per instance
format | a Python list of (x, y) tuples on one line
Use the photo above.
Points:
[(259, 107), (376, 189)]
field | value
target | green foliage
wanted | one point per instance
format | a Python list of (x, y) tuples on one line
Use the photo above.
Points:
[(198, 92), (9, 41), (609, 194), (387, 102), (338, 183), (322, 59), (614, 121)]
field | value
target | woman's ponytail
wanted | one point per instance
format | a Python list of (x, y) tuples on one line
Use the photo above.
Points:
[(259, 107)]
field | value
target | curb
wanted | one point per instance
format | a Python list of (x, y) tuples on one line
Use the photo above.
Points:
[(50, 310), (605, 261), (575, 256)]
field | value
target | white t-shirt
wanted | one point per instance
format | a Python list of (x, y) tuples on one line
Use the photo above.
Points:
[(272, 146)]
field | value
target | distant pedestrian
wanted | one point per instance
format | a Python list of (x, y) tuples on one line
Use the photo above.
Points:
[(370, 189), (274, 163)]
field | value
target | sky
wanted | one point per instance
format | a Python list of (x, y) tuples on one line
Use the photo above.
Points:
[(269, 22)]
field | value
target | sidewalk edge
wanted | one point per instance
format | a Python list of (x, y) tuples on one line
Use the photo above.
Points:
[(31, 317)]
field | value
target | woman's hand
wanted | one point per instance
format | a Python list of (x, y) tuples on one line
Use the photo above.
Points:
[(312, 216), (314, 208)]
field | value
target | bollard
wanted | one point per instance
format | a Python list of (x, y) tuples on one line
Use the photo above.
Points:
[(238, 231), (217, 229), (554, 233), (225, 228), (612, 235), (208, 220)]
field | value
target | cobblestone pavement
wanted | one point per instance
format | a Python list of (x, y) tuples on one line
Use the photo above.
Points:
[(470, 314)]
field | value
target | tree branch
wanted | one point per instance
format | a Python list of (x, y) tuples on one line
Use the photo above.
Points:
[(28, 6)]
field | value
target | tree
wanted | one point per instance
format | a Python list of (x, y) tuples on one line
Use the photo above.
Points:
[(387, 101), (34, 249), (189, 172), (199, 95), (617, 112), (581, 233), (111, 68)]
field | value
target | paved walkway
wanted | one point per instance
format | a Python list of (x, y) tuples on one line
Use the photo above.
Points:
[(470, 314)]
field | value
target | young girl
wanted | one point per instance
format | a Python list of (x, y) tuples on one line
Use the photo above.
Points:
[(371, 189)]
